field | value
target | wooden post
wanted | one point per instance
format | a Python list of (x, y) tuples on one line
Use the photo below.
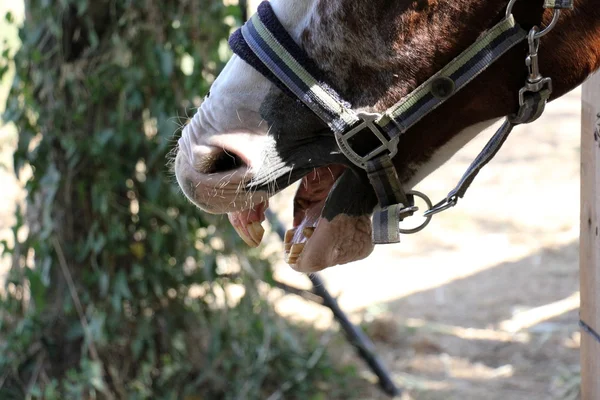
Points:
[(589, 245)]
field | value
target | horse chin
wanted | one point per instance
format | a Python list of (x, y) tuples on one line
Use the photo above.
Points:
[(316, 242), (342, 240)]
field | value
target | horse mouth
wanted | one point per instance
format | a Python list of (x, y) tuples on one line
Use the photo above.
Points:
[(315, 241), (331, 223)]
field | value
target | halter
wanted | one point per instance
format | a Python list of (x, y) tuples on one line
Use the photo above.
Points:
[(265, 44)]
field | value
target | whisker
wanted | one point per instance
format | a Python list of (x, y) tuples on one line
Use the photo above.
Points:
[(331, 172)]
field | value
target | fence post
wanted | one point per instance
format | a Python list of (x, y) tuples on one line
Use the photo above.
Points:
[(589, 245)]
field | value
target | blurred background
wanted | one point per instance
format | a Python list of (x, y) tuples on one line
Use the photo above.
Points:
[(114, 286)]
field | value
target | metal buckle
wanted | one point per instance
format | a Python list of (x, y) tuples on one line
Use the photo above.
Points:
[(368, 122)]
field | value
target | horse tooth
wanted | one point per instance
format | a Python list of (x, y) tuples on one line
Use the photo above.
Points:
[(289, 235), (287, 247), (256, 231), (308, 231), (247, 239), (297, 249)]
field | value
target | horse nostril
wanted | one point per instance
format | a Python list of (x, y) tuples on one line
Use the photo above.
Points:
[(210, 160), (226, 161)]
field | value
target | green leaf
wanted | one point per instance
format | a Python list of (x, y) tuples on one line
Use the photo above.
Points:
[(37, 288), (166, 62), (120, 285), (96, 376), (103, 284)]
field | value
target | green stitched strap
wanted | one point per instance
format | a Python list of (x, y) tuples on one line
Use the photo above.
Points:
[(559, 4), (384, 179), (428, 96), (386, 224), (292, 73), (453, 77), (391, 198)]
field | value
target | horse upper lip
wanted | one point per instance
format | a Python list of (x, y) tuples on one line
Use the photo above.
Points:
[(266, 170)]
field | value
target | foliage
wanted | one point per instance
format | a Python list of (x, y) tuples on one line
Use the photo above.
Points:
[(113, 293)]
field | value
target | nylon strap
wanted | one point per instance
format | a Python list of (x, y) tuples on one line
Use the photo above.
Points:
[(385, 181), (532, 108), (385, 224), (456, 75), (273, 53), (391, 197), (280, 54), (559, 4)]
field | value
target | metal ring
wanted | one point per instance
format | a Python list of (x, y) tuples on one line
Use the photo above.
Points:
[(427, 219), (544, 31), (550, 26), (510, 7)]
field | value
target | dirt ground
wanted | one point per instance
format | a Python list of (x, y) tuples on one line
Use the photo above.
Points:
[(483, 303)]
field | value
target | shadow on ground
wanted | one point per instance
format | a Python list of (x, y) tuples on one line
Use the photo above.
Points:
[(507, 332)]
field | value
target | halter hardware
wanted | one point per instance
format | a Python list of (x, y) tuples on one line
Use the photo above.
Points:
[(366, 125), (535, 81), (409, 212), (443, 205)]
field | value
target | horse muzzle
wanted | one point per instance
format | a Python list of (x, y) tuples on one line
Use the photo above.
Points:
[(214, 176)]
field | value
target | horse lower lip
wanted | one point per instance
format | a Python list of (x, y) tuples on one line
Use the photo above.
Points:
[(312, 193)]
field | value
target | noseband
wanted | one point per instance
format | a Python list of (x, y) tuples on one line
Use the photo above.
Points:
[(264, 43)]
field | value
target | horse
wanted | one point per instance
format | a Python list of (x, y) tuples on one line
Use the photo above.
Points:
[(250, 138)]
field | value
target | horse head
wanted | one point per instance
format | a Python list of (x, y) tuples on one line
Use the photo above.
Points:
[(250, 139)]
